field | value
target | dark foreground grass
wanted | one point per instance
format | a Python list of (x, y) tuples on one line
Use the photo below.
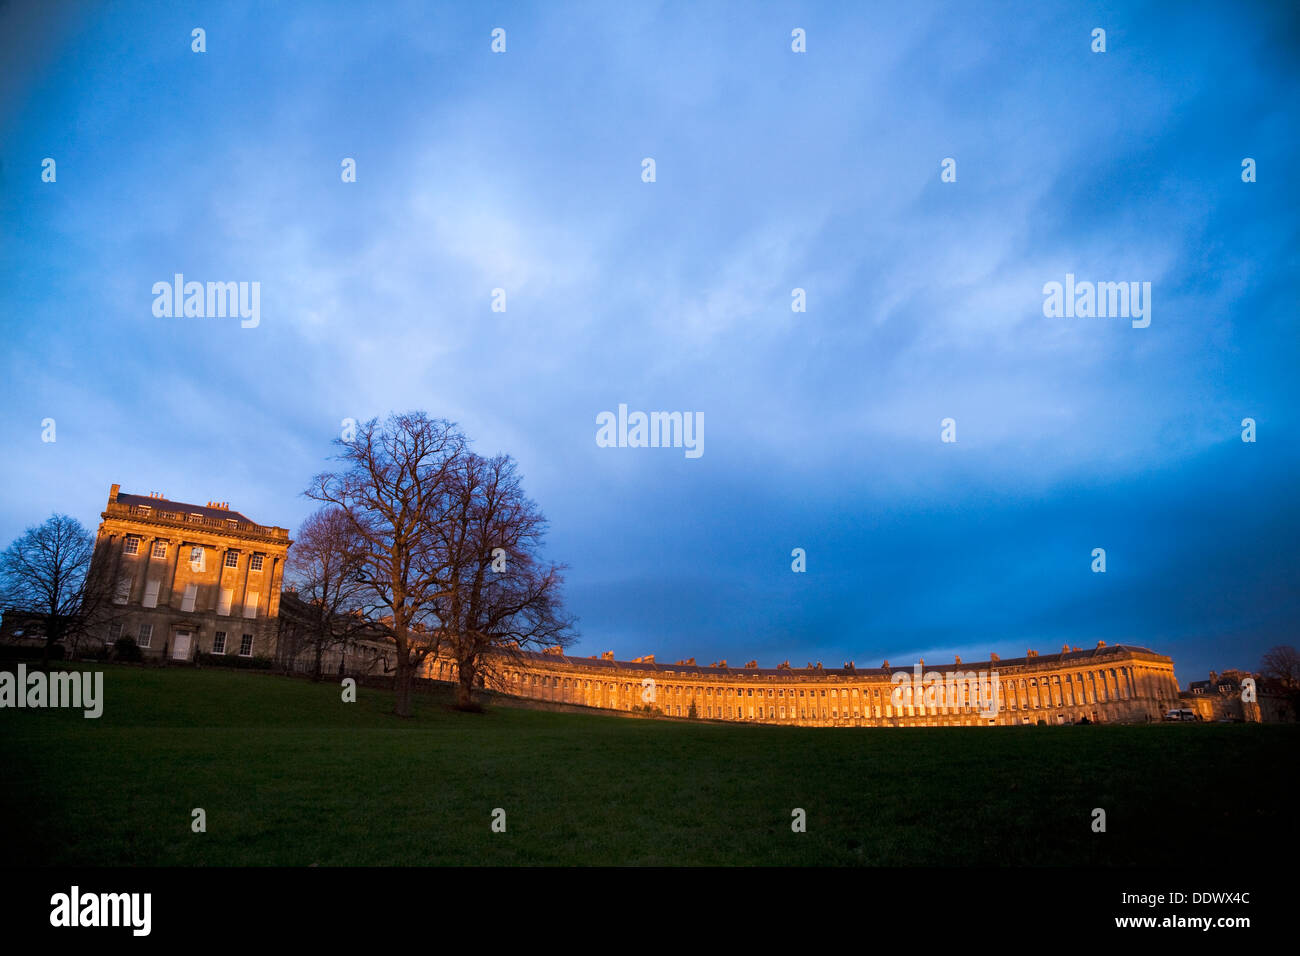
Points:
[(290, 776)]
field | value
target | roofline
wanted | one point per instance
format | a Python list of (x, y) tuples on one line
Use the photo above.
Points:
[(1070, 657)]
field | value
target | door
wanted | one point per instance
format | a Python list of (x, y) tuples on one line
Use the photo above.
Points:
[(181, 647)]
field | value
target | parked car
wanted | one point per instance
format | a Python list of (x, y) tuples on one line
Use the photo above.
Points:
[(1181, 713)]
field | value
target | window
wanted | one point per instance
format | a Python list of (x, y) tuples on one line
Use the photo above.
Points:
[(146, 634), (255, 563), (114, 632), (227, 598), (196, 559), (232, 559), (123, 592), (191, 592), (160, 549), (151, 593), (219, 643), (131, 545), (250, 604), (246, 646)]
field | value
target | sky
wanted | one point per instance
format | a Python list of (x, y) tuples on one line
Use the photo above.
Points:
[(774, 170)]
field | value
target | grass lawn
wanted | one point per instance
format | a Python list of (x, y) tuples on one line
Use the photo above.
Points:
[(290, 776)]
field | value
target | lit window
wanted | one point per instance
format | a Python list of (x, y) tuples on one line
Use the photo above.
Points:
[(131, 546), (219, 643), (196, 559), (246, 646), (232, 559), (255, 563)]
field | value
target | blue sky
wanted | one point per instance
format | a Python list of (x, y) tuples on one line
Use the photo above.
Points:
[(775, 170)]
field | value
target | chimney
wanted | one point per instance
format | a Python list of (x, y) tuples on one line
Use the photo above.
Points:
[(994, 658), (112, 494)]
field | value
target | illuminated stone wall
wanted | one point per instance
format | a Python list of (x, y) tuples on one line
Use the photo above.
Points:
[(1116, 684)]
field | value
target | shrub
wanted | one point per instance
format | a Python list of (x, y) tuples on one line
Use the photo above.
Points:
[(29, 652), (233, 660), (126, 649)]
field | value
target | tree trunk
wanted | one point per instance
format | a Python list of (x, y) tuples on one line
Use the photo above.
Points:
[(402, 685), (465, 685), (320, 651)]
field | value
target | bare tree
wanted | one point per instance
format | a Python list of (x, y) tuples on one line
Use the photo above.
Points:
[(325, 564), (1282, 664), (47, 574), (394, 487), (501, 598)]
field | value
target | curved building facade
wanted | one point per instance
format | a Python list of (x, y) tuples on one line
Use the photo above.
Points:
[(1106, 684)]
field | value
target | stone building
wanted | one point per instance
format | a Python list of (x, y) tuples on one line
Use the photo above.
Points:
[(1222, 697), (186, 578), (357, 647), (1105, 684)]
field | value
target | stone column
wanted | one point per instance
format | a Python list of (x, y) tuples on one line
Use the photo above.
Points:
[(243, 594), (144, 575), (170, 580), (117, 571)]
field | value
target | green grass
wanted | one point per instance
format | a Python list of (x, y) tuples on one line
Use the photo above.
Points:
[(290, 776)]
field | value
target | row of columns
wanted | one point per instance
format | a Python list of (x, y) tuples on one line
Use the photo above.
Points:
[(267, 598), (1040, 692)]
